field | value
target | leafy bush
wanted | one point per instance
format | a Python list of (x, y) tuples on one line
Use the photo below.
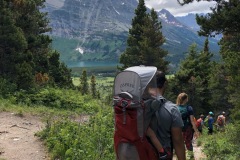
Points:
[(224, 145), (67, 140), (59, 98), (6, 87)]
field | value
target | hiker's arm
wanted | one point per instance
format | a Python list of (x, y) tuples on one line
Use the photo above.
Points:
[(224, 121), (217, 120), (154, 139), (196, 133), (178, 143)]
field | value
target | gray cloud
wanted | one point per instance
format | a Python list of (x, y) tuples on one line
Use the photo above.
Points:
[(176, 9)]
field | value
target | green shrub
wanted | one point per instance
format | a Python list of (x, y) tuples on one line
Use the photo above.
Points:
[(6, 87), (67, 140), (224, 145), (66, 99)]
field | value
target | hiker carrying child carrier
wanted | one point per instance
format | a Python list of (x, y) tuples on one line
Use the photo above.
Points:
[(134, 107), (135, 103)]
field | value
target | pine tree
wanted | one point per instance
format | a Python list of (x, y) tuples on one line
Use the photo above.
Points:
[(23, 43), (152, 40), (83, 83), (24, 77), (131, 55), (189, 81), (34, 24), (58, 71), (218, 87), (188, 68), (205, 66), (12, 45), (223, 19), (93, 86), (145, 40), (230, 52), (205, 63)]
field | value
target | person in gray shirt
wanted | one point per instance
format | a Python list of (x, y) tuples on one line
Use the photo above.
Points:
[(167, 122)]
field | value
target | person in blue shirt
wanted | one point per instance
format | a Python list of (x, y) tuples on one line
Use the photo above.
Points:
[(210, 122)]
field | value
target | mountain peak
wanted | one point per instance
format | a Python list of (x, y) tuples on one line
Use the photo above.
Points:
[(167, 17), (165, 11)]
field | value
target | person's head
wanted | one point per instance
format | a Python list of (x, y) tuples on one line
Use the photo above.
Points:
[(210, 113), (182, 99), (161, 81), (223, 113), (202, 116)]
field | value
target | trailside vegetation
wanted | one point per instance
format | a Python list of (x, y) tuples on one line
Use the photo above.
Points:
[(89, 140)]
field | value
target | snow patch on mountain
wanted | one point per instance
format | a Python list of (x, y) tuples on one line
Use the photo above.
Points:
[(172, 40), (80, 50), (116, 10), (167, 17)]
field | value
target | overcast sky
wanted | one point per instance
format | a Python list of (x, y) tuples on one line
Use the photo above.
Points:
[(178, 10)]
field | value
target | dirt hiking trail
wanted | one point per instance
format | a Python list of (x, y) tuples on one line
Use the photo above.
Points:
[(197, 150), (17, 140)]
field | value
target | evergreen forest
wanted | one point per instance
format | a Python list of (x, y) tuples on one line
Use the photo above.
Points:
[(34, 80)]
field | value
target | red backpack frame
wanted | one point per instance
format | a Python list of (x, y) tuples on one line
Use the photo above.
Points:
[(130, 141)]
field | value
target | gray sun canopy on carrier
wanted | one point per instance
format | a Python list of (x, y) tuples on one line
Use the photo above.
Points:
[(135, 80)]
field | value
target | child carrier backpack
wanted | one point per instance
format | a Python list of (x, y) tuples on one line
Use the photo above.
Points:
[(199, 122), (130, 102), (220, 120), (196, 122)]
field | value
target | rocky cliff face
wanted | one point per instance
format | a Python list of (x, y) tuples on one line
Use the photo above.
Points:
[(78, 18)]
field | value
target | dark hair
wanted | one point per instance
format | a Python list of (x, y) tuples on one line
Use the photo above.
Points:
[(160, 78)]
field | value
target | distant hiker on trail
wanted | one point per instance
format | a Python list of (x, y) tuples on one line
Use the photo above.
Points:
[(167, 123), (210, 122), (221, 122), (189, 129), (200, 123)]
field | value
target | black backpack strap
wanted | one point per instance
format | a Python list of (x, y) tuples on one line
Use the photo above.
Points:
[(189, 119), (158, 119), (163, 101)]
